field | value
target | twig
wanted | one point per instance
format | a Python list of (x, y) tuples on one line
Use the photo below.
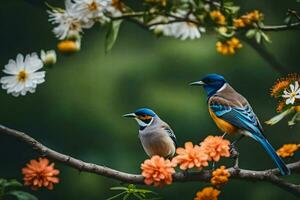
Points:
[(269, 175), (284, 27)]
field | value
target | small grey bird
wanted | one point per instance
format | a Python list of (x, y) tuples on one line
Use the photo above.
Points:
[(156, 135)]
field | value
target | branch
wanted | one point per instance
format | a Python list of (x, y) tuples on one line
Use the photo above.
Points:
[(269, 175), (284, 27)]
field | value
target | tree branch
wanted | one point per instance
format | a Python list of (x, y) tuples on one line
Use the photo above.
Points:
[(269, 175)]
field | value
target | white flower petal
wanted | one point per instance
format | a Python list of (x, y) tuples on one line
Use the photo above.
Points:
[(16, 86)]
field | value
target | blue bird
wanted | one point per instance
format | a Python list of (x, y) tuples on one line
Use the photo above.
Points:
[(233, 114), (156, 135)]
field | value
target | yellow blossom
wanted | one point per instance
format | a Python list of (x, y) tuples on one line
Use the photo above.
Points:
[(218, 17), (208, 193), (228, 47), (288, 150), (248, 19), (220, 176), (68, 46)]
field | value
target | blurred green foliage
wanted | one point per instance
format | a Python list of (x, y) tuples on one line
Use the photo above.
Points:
[(78, 109)]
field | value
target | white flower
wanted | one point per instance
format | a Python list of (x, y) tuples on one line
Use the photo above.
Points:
[(183, 30), (89, 11), (48, 57), (162, 27), (67, 23), (23, 75), (293, 94), (186, 30)]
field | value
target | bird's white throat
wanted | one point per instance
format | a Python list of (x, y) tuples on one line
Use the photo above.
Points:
[(222, 88), (143, 124)]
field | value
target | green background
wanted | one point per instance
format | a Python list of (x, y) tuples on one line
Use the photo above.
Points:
[(78, 109)]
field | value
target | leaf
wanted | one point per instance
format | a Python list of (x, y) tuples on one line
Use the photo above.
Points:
[(258, 37), (279, 117), (22, 195), (138, 196), (295, 118), (112, 34), (126, 196), (251, 33), (12, 183), (116, 196), (232, 9), (119, 188), (145, 191), (265, 37)]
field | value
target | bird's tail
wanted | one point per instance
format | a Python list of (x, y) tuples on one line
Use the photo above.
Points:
[(284, 170)]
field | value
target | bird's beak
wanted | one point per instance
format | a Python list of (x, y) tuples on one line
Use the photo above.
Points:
[(130, 115), (197, 83)]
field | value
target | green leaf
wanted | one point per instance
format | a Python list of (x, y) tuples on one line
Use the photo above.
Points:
[(12, 183), (22, 195), (116, 196), (138, 196), (279, 117), (119, 188), (258, 37), (112, 34), (265, 37), (126, 196), (295, 118), (251, 33), (232, 9)]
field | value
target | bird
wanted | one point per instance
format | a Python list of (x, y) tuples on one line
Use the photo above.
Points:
[(156, 136), (232, 113)]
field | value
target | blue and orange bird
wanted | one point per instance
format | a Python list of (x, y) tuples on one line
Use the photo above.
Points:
[(156, 135), (233, 114)]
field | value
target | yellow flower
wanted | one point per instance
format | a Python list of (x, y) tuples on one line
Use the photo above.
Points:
[(228, 47), (68, 46), (218, 17), (239, 23), (191, 156), (248, 19), (288, 150), (220, 176), (208, 193)]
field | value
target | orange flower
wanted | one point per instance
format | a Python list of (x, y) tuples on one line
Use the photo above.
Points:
[(191, 156), (238, 23), (208, 193), (216, 147), (157, 171), (288, 150), (228, 47), (280, 106), (281, 84), (68, 46), (38, 173), (218, 17), (248, 19), (220, 176)]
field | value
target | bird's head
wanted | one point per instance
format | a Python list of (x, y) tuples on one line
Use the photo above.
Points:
[(211, 83), (144, 117)]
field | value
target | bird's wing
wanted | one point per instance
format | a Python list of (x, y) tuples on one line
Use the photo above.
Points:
[(239, 114), (170, 132)]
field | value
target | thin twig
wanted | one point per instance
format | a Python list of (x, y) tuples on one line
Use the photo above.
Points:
[(269, 175)]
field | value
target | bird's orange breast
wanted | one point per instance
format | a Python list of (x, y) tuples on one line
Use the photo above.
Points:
[(224, 126)]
